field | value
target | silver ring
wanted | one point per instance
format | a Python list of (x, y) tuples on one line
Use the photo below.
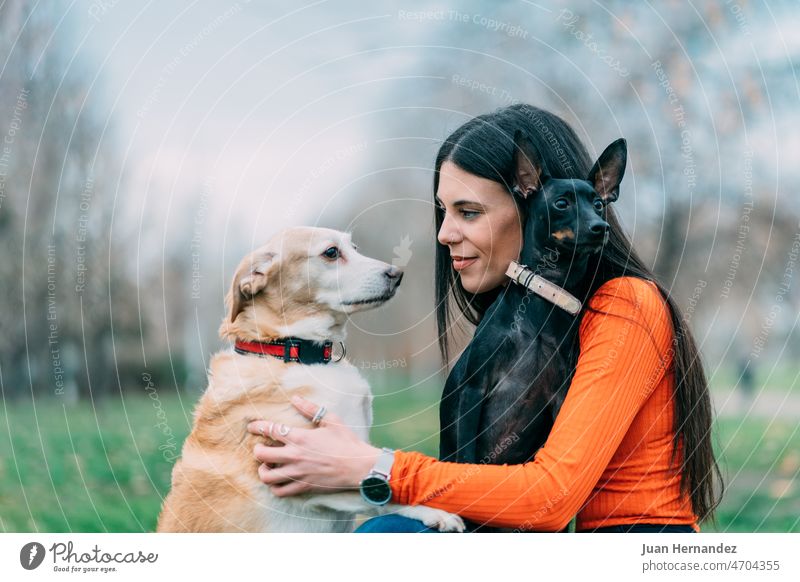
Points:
[(283, 430), (321, 412), (271, 427)]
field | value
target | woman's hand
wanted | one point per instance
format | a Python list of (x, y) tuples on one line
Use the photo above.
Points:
[(324, 459)]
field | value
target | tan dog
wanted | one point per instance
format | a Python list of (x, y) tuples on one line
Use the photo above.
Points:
[(304, 283)]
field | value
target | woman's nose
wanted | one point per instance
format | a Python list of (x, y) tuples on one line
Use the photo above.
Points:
[(448, 232)]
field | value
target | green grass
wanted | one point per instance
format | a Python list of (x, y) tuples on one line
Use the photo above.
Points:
[(760, 462), (75, 468), (766, 376), (407, 418), (79, 468)]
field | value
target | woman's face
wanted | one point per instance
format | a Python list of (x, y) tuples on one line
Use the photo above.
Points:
[(481, 227)]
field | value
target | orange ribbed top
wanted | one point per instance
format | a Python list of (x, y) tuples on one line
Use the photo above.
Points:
[(607, 457)]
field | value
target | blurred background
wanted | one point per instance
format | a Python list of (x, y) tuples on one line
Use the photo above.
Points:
[(147, 146)]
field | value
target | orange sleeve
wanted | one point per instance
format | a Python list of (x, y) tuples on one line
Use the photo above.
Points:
[(621, 360)]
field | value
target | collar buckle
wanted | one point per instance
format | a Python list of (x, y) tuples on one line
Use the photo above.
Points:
[(291, 350)]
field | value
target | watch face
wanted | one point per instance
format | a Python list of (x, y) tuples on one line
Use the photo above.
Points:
[(376, 490)]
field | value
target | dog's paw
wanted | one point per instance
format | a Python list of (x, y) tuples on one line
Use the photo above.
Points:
[(444, 521), (435, 518)]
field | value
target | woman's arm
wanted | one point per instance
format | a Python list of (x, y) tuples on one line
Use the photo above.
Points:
[(620, 363)]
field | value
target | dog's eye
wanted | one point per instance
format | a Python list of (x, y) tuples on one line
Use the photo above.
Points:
[(331, 253), (598, 204), (561, 204)]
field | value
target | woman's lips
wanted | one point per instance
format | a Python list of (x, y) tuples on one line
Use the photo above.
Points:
[(461, 263)]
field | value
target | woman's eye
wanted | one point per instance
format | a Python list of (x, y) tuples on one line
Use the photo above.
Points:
[(468, 214), (561, 204), (598, 204), (331, 253)]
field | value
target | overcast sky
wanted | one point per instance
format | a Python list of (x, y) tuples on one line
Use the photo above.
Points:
[(259, 100)]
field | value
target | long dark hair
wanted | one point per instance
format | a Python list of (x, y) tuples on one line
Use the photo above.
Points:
[(484, 146)]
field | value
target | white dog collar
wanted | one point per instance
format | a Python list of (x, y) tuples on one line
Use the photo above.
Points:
[(524, 276)]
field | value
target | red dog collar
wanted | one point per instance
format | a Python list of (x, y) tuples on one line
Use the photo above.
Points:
[(289, 349)]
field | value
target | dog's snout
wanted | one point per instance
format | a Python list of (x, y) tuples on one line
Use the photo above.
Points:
[(394, 274)]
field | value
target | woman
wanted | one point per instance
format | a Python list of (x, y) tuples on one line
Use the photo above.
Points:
[(630, 449)]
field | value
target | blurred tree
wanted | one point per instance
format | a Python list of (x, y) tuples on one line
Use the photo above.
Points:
[(67, 295)]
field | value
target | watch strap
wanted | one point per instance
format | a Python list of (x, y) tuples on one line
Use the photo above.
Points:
[(383, 466)]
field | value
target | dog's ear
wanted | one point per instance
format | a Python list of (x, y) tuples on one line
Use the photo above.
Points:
[(250, 280), (529, 168), (607, 172)]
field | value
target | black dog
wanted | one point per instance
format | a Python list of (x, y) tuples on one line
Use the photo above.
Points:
[(503, 394)]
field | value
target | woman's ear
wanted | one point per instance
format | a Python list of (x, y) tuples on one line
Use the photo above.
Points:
[(251, 278), (529, 168), (607, 172)]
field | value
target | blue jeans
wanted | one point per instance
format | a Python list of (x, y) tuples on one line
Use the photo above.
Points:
[(393, 523), (642, 528)]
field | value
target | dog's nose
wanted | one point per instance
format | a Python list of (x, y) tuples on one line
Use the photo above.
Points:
[(394, 274), (599, 228)]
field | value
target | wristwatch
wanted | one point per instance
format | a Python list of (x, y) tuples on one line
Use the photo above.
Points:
[(375, 487)]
